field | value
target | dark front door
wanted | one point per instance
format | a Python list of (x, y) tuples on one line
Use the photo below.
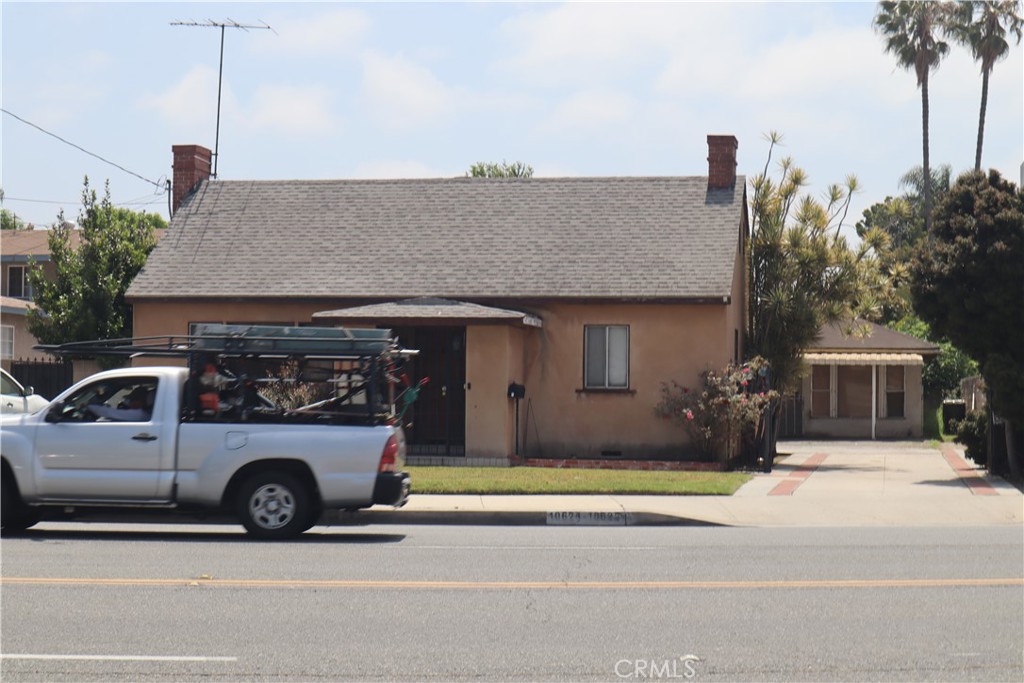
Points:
[(439, 415)]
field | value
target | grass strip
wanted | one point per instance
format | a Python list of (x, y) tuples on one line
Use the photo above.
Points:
[(547, 480)]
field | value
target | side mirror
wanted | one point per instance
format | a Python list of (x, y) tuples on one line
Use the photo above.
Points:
[(29, 390), (53, 413)]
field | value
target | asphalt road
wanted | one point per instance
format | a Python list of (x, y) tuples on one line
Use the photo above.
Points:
[(422, 603)]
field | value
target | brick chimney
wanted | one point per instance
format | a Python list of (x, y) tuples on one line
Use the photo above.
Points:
[(192, 164), (722, 162)]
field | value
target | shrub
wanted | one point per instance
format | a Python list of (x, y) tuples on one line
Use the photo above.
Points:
[(972, 432), (723, 413)]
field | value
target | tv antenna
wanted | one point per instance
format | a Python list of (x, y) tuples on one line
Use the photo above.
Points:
[(228, 23)]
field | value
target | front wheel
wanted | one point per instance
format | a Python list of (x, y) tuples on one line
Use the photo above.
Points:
[(15, 516), (275, 505)]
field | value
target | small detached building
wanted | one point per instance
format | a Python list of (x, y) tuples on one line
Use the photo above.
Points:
[(865, 387)]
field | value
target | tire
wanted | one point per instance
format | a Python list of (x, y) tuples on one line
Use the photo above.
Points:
[(15, 516), (275, 505)]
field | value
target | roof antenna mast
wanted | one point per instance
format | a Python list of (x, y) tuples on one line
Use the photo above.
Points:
[(228, 23)]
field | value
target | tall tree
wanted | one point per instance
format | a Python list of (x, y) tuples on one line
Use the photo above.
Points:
[(803, 274), (516, 169), (983, 26), (86, 299), (967, 282), (911, 29)]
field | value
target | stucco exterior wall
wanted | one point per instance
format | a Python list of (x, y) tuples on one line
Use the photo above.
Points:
[(909, 426), (23, 339), (558, 418), (561, 419)]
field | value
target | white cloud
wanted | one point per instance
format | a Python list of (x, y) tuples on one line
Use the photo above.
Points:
[(591, 111), (584, 43), (294, 109), (402, 94), (189, 103), (385, 168), (190, 106), (337, 32)]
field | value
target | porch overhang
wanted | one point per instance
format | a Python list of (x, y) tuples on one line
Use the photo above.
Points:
[(430, 310), (864, 358)]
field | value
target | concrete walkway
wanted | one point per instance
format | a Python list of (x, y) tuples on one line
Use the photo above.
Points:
[(822, 484)]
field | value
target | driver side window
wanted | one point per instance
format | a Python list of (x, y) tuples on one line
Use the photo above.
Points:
[(127, 399)]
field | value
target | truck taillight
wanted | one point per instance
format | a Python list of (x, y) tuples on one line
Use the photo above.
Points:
[(389, 458)]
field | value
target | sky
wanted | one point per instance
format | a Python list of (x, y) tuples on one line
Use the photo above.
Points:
[(404, 90)]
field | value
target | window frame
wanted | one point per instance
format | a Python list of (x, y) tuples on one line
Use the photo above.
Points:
[(606, 385), (887, 393), (5, 343), (23, 283)]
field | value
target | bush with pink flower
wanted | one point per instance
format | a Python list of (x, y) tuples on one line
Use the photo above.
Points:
[(722, 415)]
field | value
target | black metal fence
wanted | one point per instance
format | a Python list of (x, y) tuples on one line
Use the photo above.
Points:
[(46, 377), (791, 417)]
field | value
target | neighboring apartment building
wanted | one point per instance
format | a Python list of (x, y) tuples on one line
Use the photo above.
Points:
[(586, 292), (18, 250)]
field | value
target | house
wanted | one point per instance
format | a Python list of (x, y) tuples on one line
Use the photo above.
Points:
[(19, 249), (865, 386), (585, 293)]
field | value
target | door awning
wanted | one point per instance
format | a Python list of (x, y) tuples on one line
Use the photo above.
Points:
[(430, 310), (864, 358)]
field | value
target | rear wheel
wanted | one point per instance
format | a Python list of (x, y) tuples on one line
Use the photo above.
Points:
[(275, 505), (15, 516)]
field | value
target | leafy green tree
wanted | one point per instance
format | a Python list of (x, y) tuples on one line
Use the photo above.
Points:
[(803, 274), (941, 377), (911, 29), (894, 228), (86, 299), (967, 284), (516, 169), (983, 26)]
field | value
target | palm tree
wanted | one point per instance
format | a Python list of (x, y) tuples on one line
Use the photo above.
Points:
[(910, 31), (983, 27)]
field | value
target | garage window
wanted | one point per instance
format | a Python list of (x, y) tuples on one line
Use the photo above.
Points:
[(895, 390)]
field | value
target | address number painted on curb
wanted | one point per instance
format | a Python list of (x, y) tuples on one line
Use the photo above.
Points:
[(587, 518)]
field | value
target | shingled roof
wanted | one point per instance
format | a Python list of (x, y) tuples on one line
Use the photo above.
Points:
[(632, 238)]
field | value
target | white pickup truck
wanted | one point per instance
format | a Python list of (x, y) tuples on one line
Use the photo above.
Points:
[(149, 438)]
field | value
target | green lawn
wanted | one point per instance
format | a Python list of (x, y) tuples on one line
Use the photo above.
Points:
[(547, 480)]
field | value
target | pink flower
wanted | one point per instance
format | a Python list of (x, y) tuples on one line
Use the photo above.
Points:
[(744, 382), (689, 414)]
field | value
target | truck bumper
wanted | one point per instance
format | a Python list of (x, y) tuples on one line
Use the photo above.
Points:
[(392, 488)]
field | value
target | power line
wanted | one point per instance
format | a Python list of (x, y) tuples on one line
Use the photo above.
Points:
[(82, 149)]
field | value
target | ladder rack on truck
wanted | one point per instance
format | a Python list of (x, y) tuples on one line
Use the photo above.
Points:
[(267, 373)]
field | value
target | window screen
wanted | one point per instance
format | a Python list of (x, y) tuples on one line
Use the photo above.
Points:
[(606, 352)]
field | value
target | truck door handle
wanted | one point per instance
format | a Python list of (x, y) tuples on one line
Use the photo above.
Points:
[(144, 437)]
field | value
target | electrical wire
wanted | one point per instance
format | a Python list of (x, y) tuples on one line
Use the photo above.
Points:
[(82, 149)]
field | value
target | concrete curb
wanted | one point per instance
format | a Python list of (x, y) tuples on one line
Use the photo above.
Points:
[(511, 518)]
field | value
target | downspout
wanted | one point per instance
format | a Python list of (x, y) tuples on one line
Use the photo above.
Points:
[(874, 399)]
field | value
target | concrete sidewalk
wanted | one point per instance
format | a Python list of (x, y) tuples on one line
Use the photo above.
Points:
[(822, 484)]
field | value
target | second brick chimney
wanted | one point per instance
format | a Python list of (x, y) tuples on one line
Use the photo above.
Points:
[(722, 161), (192, 164)]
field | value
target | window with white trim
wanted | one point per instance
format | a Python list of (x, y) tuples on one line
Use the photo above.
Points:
[(6, 342), (18, 286), (895, 390), (821, 391), (606, 357)]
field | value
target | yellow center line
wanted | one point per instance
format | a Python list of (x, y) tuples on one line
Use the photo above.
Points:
[(514, 585)]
